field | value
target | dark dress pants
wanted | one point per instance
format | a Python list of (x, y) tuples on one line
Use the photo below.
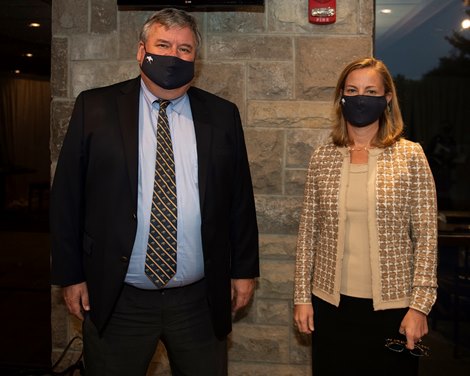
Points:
[(350, 340), (179, 317)]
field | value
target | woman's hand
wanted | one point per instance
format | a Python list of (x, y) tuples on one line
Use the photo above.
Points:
[(303, 318), (414, 326)]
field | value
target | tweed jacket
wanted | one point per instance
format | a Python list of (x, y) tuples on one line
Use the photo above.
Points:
[(402, 226)]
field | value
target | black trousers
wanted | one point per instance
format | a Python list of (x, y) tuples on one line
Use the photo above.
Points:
[(350, 340), (179, 317)]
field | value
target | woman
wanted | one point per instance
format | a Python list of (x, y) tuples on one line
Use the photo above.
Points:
[(367, 246)]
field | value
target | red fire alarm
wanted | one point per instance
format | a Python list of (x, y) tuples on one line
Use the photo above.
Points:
[(322, 11)]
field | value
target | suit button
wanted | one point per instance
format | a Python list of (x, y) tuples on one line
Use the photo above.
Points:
[(124, 259), (134, 216)]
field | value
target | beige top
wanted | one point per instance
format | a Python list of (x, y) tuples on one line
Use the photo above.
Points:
[(356, 273), (402, 225)]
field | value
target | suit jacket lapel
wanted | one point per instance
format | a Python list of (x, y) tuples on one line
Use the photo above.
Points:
[(203, 130), (128, 113)]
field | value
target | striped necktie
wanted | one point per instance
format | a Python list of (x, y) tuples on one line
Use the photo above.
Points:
[(160, 261)]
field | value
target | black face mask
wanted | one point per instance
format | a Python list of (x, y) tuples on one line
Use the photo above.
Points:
[(168, 72), (362, 110)]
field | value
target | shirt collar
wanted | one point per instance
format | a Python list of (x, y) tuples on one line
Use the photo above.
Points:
[(176, 104)]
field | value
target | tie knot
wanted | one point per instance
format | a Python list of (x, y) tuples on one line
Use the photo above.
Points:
[(163, 103)]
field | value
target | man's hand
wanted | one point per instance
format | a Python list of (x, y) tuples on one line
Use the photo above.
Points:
[(414, 326), (76, 299), (242, 291), (303, 318)]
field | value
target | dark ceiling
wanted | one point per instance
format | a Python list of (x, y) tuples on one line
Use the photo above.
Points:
[(17, 38)]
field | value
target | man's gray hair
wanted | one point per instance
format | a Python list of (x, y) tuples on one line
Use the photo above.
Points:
[(170, 17)]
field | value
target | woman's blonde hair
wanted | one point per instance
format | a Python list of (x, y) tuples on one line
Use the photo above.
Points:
[(390, 122)]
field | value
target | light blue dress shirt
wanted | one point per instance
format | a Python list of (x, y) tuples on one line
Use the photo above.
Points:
[(190, 263)]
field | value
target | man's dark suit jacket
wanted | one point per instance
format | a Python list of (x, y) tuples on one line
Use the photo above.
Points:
[(94, 198)]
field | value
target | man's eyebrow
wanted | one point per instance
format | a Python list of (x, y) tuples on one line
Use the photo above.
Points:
[(159, 40)]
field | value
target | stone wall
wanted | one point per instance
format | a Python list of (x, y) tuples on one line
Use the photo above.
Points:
[(281, 72)]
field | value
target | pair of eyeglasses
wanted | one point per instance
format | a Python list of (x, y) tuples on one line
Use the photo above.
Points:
[(399, 345)]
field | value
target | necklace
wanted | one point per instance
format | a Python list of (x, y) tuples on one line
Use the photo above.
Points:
[(361, 148)]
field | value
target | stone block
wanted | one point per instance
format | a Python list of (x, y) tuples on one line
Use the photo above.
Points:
[(265, 152), (61, 111), (75, 330), (300, 347), (277, 246), (292, 17), (256, 369), (94, 47), (223, 79), (270, 80), (69, 17), (287, 16), (294, 182), (243, 47), (267, 343), (366, 17), (91, 74), (69, 358), (278, 215), (289, 114), (130, 24), (301, 143), (273, 312), (59, 317), (276, 279), (59, 67), (235, 22), (159, 365), (319, 61), (103, 16), (156, 369)]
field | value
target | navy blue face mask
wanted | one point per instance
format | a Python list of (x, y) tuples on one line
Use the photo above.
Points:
[(362, 110), (168, 72)]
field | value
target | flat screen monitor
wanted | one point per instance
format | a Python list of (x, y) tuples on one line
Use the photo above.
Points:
[(158, 4)]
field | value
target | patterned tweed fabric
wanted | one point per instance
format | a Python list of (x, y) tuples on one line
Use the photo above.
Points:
[(403, 228)]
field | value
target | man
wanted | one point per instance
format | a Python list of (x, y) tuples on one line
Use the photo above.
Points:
[(138, 176)]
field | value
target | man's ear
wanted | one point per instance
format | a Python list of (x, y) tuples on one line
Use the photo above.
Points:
[(140, 52)]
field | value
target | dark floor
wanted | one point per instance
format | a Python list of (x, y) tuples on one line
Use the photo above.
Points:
[(25, 293), (441, 360), (25, 344)]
